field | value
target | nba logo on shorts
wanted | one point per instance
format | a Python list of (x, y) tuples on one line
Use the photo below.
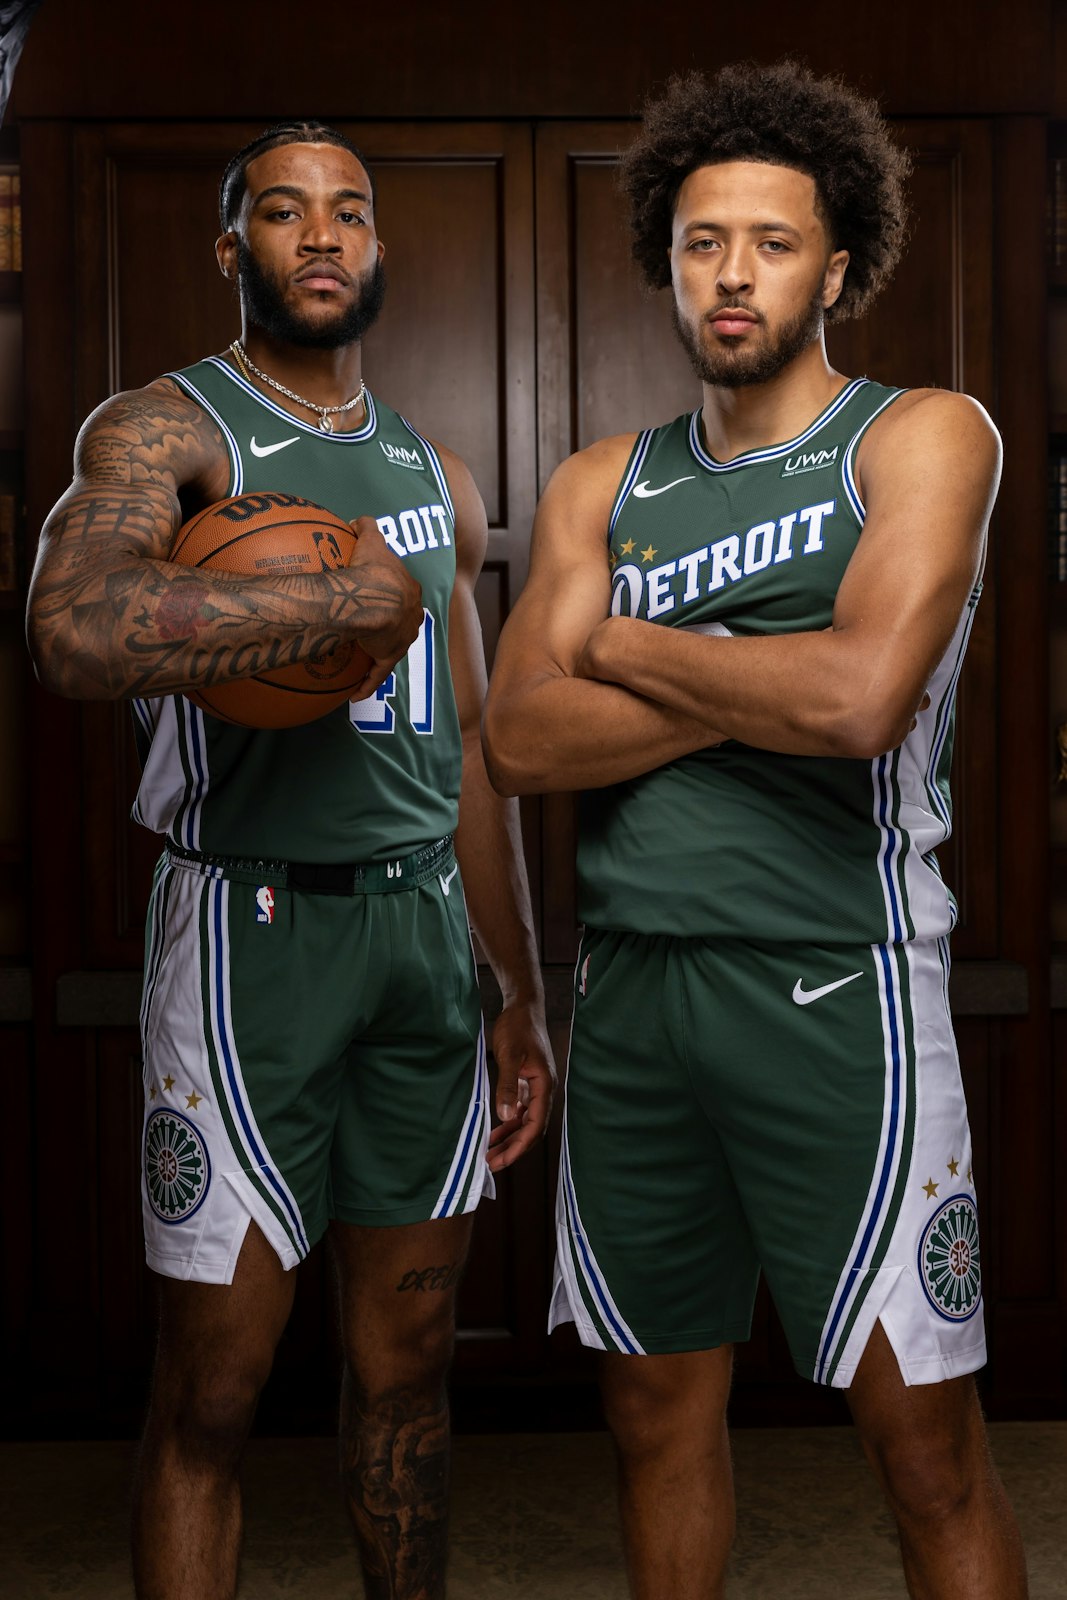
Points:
[(265, 902)]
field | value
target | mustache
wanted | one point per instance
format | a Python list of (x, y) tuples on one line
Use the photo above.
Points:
[(734, 302), (332, 270)]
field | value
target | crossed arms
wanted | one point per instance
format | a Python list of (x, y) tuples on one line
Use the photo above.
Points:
[(580, 699)]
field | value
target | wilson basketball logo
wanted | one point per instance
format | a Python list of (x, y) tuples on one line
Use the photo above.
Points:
[(950, 1261), (242, 507), (177, 1168)]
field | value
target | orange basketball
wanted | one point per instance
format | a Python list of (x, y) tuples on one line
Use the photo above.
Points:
[(275, 536)]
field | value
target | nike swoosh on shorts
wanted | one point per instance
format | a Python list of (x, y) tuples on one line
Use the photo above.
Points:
[(269, 449), (643, 492), (804, 997), (446, 882)]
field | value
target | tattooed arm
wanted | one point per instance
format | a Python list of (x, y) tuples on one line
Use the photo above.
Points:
[(110, 617)]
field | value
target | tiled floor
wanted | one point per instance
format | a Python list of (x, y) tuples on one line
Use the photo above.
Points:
[(533, 1516)]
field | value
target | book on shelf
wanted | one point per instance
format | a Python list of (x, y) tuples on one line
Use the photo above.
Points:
[(1057, 516), (6, 222), (10, 220)]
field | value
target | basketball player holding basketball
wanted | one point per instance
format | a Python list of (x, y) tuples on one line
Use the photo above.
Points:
[(728, 621), (313, 1051)]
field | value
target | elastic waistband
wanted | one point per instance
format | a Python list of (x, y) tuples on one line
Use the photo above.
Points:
[(322, 877)]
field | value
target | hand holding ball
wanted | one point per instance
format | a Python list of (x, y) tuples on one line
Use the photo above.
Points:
[(275, 536)]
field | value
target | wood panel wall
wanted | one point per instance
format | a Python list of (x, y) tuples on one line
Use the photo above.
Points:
[(562, 58), (546, 341)]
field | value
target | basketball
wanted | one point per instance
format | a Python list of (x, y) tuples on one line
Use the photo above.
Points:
[(274, 536)]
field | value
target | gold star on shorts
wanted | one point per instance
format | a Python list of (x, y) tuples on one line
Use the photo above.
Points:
[(647, 554), (931, 1189), (193, 1100), (168, 1082), (627, 548), (954, 1168)]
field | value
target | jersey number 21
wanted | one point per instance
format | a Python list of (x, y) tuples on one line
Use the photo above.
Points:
[(378, 714)]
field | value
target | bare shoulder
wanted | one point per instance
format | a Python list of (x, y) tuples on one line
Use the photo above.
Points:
[(580, 494), (597, 470), (935, 422), (471, 523), (155, 436), (461, 484)]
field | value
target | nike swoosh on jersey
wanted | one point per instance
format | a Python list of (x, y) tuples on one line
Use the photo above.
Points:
[(643, 492), (269, 449), (446, 881), (804, 997)]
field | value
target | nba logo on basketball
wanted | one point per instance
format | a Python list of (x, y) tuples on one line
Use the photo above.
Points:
[(265, 902)]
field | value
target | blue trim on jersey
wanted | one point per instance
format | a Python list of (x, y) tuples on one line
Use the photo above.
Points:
[(145, 721), (848, 473), (142, 715), (637, 461), (236, 464), (887, 960), (216, 892), (946, 968), (945, 717), (156, 947), (428, 625), (591, 1274), (187, 817), (696, 444), (435, 463), (891, 841), (355, 437), (475, 1117)]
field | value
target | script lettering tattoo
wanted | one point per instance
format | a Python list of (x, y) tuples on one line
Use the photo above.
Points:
[(429, 1279), (112, 618), (394, 1463)]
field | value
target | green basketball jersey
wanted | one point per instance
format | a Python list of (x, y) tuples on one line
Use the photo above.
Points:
[(743, 842), (371, 780)]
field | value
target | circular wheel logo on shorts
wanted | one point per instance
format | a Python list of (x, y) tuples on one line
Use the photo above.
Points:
[(950, 1261), (177, 1169)]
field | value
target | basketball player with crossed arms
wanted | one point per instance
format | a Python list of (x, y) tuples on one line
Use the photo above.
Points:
[(729, 621), (313, 1050)]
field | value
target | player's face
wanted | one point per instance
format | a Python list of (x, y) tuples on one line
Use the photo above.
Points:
[(306, 254), (752, 268)]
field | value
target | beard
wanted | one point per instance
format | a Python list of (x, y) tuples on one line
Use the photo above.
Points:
[(728, 365), (265, 306)]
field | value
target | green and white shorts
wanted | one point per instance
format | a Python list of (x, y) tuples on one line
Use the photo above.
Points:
[(308, 1055), (734, 1107)]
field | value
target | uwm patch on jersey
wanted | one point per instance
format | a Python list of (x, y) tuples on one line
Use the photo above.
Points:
[(377, 778), (738, 842), (759, 543)]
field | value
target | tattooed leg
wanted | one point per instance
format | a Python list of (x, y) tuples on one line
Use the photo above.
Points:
[(394, 1467), (398, 1289)]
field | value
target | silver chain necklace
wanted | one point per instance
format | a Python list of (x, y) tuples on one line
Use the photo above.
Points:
[(247, 365)]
